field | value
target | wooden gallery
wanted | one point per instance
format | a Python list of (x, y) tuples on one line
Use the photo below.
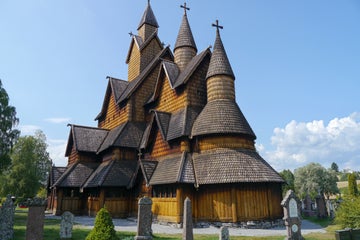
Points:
[(172, 130)]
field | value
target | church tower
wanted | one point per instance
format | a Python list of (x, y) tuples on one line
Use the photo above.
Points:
[(185, 47)]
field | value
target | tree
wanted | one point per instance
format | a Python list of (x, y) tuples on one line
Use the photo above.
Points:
[(30, 167), (348, 214), (8, 135), (288, 176), (314, 179), (353, 189), (103, 227), (335, 167)]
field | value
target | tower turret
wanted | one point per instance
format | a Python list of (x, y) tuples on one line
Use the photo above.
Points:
[(185, 47), (148, 24)]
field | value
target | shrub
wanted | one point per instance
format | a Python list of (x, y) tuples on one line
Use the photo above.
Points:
[(348, 214), (103, 227)]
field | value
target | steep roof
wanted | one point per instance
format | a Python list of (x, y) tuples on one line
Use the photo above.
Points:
[(148, 17), (222, 116), (134, 84), (219, 63), (128, 134), (76, 174), (185, 37), (85, 139), (113, 173), (232, 166), (173, 169), (55, 174), (116, 87)]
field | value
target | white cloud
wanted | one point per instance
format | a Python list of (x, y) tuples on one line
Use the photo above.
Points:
[(58, 120), (300, 143), (28, 129), (56, 149)]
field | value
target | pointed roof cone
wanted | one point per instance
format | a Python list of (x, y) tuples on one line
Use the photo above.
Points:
[(185, 37), (219, 63), (148, 17)]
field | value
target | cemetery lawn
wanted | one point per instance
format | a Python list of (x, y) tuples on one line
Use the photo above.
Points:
[(52, 228)]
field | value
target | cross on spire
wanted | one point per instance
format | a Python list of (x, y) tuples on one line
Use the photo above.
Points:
[(184, 7), (217, 25)]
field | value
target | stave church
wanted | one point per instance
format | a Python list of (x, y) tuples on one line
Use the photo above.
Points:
[(172, 130)]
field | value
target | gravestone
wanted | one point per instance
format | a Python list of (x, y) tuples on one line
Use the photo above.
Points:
[(7, 219), (35, 219), (144, 219), (321, 206), (292, 218), (224, 233), (307, 206), (66, 225), (187, 221)]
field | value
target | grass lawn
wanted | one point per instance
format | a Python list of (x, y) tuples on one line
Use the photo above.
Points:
[(52, 228)]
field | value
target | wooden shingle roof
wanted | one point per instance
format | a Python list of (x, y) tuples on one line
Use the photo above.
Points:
[(148, 18), (219, 63), (55, 174), (222, 117), (232, 166), (113, 173), (185, 37), (128, 134), (76, 174), (173, 169), (85, 139)]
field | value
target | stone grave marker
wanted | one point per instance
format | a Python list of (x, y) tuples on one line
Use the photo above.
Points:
[(321, 206), (292, 218), (35, 220), (7, 212), (224, 233), (144, 230), (66, 225), (187, 221)]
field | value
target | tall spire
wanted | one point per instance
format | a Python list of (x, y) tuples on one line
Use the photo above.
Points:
[(219, 63), (185, 48), (148, 17)]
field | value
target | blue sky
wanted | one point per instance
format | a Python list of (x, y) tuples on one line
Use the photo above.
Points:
[(297, 67)]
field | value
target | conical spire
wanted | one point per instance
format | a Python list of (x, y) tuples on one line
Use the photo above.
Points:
[(148, 17), (185, 37), (219, 63)]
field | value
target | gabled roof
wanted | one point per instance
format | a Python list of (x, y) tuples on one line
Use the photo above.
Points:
[(128, 134), (85, 139), (134, 84), (140, 44), (219, 63), (191, 67), (115, 87), (76, 174), (148, 17), (173, 169), (147, 168), (55, 174), (113, 173), (162, 120), (185, 37), (222, 116), (232, 166)]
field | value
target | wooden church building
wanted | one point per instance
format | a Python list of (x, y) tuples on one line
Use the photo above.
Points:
[(171, 130)]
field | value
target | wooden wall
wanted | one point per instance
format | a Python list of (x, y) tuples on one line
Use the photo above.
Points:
[(225, 142), (114, 115), (169, 100), (134, 63), (162, 147)]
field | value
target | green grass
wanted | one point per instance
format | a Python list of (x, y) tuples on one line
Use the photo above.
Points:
[(52, 228)]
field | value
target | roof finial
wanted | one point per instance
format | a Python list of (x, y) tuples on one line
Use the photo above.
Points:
[(148, 2), (217, 25), (184, 7)]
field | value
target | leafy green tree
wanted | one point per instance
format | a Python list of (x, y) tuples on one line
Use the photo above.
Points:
[(314, 179), (353, 189), (288, 176), (334, 167), (103, 227), (30, 167), (8, 135), (348, 213)]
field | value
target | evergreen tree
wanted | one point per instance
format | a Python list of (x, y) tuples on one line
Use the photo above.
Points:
[(8, 135), (353, 189), (335, 167), (103, 227), (288, 176)]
